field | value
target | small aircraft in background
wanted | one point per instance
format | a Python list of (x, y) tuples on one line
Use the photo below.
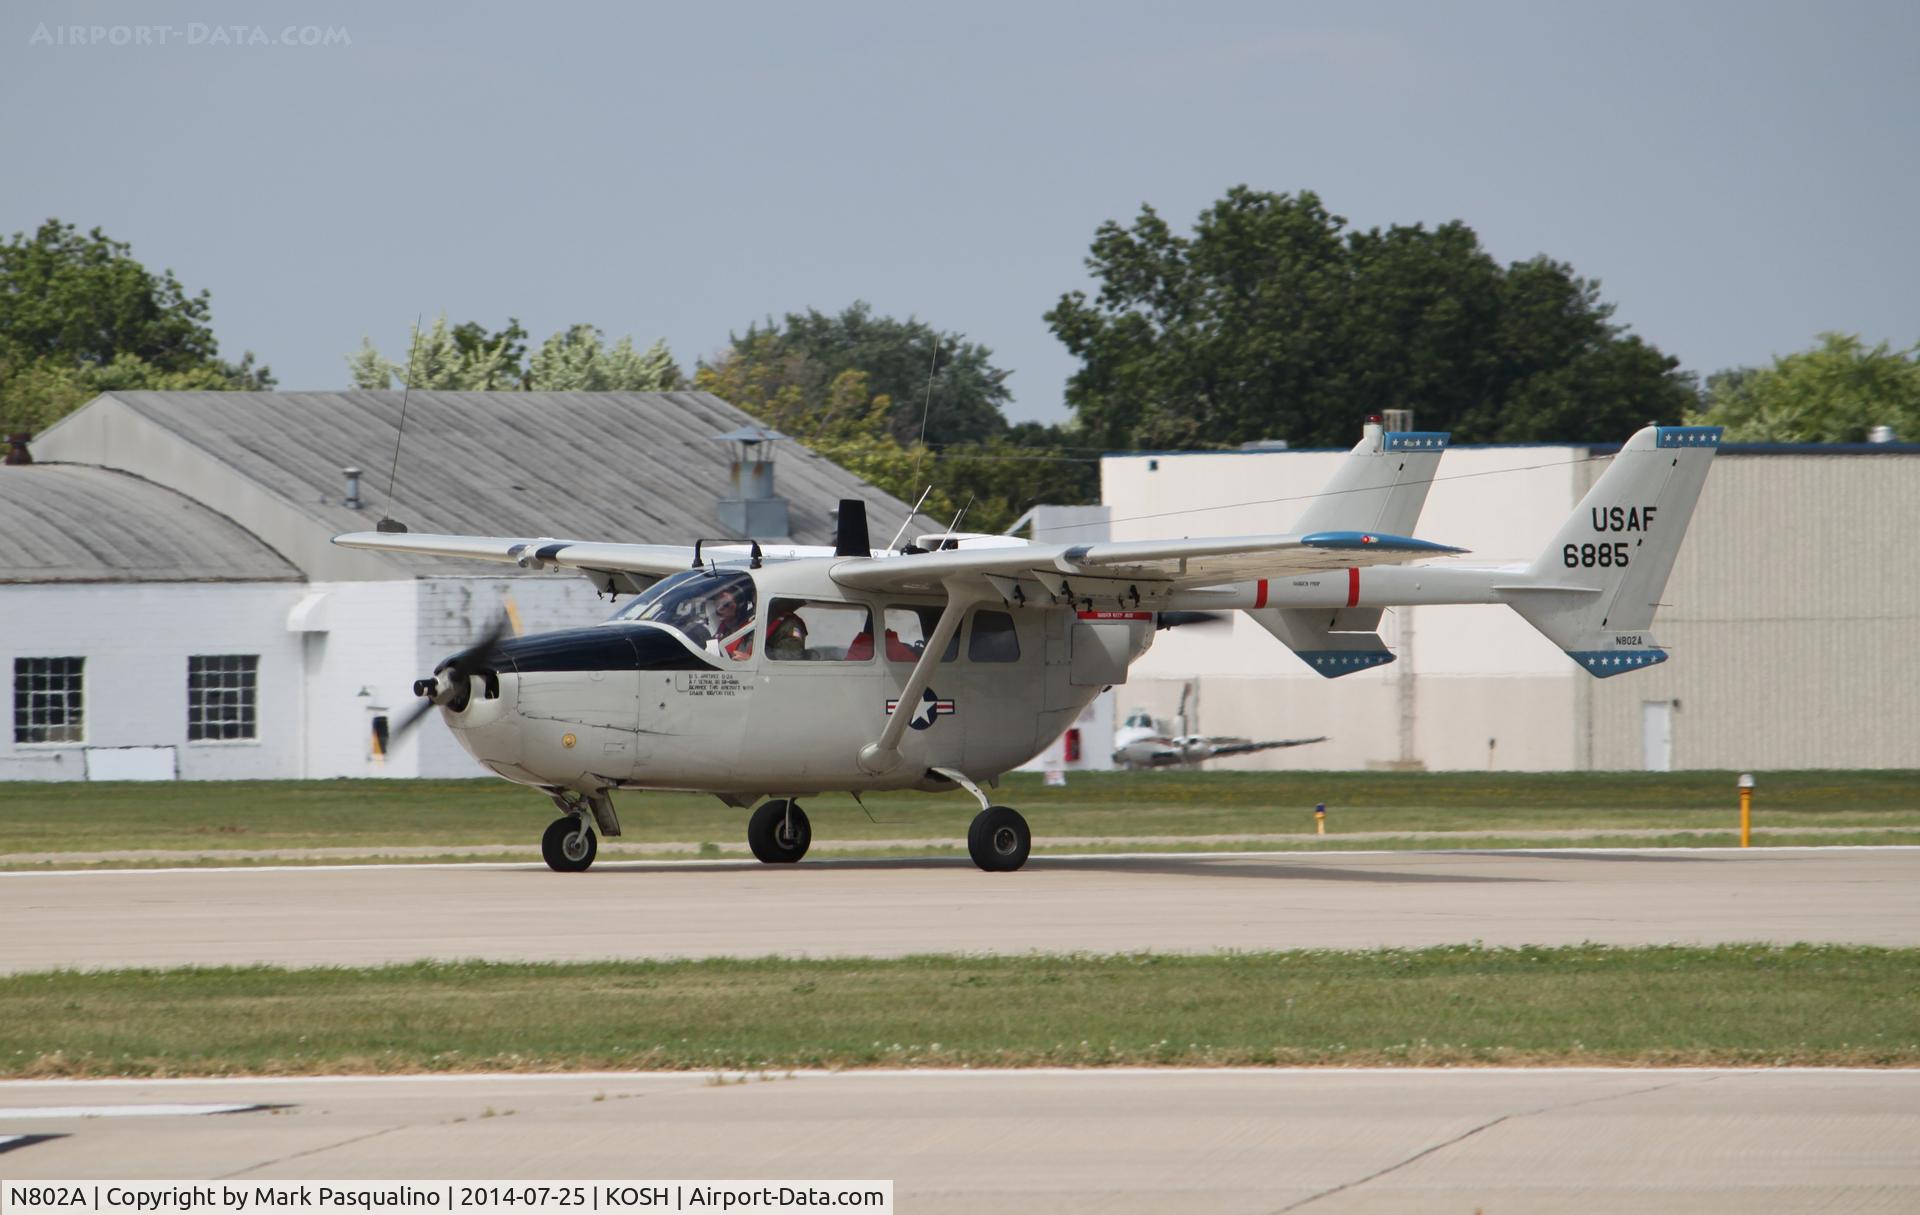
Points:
[(1142, 742), (764, 675)]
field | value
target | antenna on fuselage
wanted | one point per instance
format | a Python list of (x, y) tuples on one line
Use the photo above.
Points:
[(908, 521), (920, 446), (954, 527), (387, 522)]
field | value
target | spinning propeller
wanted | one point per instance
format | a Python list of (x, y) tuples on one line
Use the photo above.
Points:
[(1175, 620), (452, 681)]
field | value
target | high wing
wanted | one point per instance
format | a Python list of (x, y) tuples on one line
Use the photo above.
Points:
[(1164, 564), (642, 562)]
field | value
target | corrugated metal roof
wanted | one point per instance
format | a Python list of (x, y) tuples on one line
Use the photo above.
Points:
[(619, 466), (74, 523)]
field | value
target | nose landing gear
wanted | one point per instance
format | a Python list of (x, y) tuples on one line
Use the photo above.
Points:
[(569, 845)]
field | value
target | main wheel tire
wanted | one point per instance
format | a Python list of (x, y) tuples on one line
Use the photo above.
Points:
[(779, 832), (569, 845), (999, 840)]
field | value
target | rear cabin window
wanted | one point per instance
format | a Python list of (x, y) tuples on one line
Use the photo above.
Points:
[(909, 629), (810, 630), (993, 638)]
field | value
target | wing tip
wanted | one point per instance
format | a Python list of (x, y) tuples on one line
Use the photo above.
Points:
[(1376, 540)]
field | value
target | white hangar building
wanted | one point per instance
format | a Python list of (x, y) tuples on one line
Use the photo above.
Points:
[(170, 604), (1791, 618)]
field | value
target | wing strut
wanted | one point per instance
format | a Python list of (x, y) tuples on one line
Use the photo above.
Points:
[(883, 753)]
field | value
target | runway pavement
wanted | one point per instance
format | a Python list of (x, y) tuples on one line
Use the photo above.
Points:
[(369, 914), (1110, 1141)]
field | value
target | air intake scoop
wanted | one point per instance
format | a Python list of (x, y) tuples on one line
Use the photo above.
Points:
[(850, 536)]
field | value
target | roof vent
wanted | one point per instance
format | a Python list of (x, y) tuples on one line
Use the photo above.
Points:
[(750, 508), (353, 488), (17, 452), (1879, 434)]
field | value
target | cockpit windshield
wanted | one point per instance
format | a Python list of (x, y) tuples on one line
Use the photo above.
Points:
[(710, 607)]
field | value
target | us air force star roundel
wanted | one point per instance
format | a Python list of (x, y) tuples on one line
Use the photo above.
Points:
[(930, 709)]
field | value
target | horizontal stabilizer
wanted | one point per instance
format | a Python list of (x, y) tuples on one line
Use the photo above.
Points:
[(1602, 663)]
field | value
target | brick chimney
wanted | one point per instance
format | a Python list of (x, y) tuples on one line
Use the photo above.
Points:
[(17, 452)]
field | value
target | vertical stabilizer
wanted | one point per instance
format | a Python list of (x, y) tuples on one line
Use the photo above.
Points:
[(1380, 487), (1594, 589)]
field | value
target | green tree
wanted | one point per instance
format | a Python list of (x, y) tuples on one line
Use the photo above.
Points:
[(80, 316), (466, 358), (506, 347), (436, 359), (839, 416), (1836, 392), (1273, 320), (968, 391)]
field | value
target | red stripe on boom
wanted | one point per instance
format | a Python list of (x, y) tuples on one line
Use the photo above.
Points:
[(1260, 594), (1353, 586)]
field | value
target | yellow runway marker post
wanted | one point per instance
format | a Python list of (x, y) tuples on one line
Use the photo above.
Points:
[(1746, 809)]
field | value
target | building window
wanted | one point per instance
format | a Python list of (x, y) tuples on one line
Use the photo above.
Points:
[(47, 706), (221, 695)]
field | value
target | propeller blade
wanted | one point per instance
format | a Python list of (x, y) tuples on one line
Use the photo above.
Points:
[(1175, 620), (470, 660), (412, 719)]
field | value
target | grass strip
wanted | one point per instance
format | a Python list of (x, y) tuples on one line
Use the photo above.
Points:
[(64, 817), (1907, 837), (1816, 1005)]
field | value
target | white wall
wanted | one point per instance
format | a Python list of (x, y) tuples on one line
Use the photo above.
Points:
[(353, 651), (136, 639)]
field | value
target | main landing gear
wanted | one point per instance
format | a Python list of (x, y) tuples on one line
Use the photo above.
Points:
[(999, 841), (779, 832)]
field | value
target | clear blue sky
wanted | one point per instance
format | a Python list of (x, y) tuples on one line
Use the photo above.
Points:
[(1739, 176)]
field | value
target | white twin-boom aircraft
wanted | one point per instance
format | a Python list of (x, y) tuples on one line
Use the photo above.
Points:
[(768, 675)]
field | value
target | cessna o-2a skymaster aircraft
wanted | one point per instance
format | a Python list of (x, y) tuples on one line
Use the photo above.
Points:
[(782, 673)]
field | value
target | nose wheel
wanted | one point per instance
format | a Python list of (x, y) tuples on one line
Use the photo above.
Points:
[(568, 845), (999, 840), (779, 832)]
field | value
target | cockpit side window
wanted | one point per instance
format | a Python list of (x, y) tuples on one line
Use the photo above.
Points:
[(993, 638), (908, 630), (712, 608), (811, 630)]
